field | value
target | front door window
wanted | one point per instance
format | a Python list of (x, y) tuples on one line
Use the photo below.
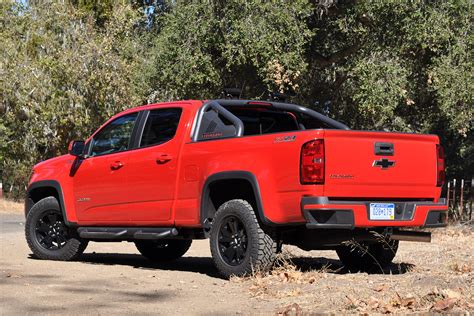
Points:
[(114, 137)]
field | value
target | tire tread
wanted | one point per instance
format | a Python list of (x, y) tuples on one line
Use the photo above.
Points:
[(74, 247), (262, 256)]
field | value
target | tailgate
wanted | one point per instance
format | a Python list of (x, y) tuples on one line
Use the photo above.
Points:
[(380, 165)]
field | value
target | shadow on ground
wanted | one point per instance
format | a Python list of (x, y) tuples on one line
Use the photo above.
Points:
[(335, 266), (205, 265)]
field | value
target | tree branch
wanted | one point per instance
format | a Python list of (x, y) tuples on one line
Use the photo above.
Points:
[(324, 61)]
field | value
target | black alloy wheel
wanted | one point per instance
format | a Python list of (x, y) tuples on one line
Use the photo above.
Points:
[(233, 241), (239, 245), (51, 233)]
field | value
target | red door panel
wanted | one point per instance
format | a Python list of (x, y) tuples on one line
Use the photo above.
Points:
[(153, 171), (100, 187), (152, 182)]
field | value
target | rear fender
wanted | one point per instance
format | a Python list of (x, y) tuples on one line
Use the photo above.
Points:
[(207, 207)]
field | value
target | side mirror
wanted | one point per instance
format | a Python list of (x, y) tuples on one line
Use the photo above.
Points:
[(76, 148)]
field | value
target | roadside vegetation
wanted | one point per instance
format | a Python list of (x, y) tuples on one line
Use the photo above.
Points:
[(66, 66), (10, 207)]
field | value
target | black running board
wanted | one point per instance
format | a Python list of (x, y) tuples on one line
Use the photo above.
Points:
[(126, 233)]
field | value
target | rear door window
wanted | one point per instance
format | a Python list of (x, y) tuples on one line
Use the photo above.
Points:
[(160, 126)]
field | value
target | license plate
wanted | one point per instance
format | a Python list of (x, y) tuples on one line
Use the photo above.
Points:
[(382, 211)]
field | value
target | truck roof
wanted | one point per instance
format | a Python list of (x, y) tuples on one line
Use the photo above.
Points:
[(196, 104)]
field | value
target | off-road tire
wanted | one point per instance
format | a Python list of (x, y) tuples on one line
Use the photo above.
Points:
[(73, 246), (163, 250), (367, 256), (261, 248)]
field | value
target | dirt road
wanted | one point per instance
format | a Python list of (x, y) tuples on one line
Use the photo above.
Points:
[(112, 278)]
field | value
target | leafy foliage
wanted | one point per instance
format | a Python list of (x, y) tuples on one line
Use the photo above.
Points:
[(62, 77), (387, 65), (229, 44)]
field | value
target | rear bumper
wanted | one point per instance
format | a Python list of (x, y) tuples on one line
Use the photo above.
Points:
[(321, 212)]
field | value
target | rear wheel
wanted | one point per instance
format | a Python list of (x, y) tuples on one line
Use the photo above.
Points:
[(366, 256), (238, 244), (47, 234), (163, 250)]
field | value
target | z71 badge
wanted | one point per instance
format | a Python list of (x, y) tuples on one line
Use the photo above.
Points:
[(285, 139), (341, 176)]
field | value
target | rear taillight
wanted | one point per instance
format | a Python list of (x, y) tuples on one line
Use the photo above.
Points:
[(312, 162), (441, 174)]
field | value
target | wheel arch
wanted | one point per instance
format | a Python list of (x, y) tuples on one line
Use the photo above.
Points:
[(42, 189), (215, 191)]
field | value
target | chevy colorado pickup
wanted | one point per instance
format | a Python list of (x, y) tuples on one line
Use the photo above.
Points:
[(249, 175)]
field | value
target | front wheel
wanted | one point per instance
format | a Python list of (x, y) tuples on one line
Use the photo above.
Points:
[(47, 234), (366, 256), (238, 244)]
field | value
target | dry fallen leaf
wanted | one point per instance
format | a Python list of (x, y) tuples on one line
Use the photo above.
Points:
[(380, 288), (292, 309), (397, 301), (444, 305), (462, 268), (387, 309), (352, 300), (408, 302), (284, 276), (373, 303)]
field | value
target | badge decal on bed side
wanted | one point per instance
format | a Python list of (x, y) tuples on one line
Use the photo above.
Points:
[(341, 176), (284, 139)]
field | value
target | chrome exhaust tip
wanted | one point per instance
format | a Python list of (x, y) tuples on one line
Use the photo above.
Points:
[(411, 236)]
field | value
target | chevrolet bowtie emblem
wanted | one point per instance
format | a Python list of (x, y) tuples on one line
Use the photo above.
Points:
[(383, 163)]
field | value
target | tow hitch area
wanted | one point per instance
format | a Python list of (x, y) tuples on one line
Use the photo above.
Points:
[(310, 239)]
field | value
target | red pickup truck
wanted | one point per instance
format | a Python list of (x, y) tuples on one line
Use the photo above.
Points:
[(249, 175)]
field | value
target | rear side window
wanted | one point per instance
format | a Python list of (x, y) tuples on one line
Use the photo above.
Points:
[(214, 125), (160, 126), (258, 122), (308, 122)]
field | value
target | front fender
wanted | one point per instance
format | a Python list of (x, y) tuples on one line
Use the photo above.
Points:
[(40, 189)]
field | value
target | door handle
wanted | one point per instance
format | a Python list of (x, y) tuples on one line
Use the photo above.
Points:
[(163, 158), (116, 165), (383, 149)]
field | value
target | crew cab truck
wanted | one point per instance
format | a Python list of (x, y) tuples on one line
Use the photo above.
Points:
[(249, 175)]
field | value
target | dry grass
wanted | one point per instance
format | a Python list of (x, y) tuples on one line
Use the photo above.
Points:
[(435, 277), (10, 207)]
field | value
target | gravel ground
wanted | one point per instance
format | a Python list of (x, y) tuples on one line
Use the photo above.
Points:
[(114, 278)]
